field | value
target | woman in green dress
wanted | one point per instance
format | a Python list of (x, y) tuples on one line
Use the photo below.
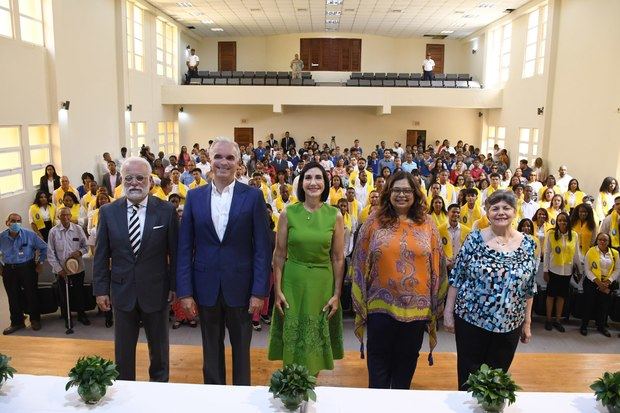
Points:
[(308, 265)]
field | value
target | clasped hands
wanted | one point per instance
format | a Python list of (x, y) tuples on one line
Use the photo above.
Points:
[(332, 305)]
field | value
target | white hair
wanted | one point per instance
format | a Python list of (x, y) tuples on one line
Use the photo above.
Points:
[(135, 160), (220, 139)]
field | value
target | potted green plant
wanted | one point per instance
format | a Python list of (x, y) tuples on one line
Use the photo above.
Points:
[(92, 375), (492, 388), (607, 390), (6, 371), (293, 385)]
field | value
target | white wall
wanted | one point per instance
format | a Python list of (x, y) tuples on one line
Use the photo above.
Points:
[(200, 123), (379, 53)]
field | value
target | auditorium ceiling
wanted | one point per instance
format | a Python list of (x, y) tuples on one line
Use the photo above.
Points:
[(395, 18)]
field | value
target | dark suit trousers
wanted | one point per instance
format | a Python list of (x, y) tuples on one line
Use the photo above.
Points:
[(213, 320), (126, 331), (596, 304), (76, 293), (18, 277)]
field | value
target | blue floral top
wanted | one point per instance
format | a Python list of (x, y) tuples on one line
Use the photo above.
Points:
[(493, 286)]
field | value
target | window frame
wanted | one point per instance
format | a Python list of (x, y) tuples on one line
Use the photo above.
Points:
[(8, 11), (133, 38), (134, 137), (14, 171), (535, 41), (169, 50), (40, 22), (170, 137), (48, 146)]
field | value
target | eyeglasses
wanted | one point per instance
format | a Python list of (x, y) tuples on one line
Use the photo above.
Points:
[(404, 191), (131, 178)]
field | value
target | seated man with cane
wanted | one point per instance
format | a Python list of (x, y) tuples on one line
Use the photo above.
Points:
[(67, 244)]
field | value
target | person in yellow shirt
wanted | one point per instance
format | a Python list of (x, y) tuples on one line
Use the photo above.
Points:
[(336, 191), (551, 184), (434, 191), (361, 166), (452, 234), (354, 205), (471, 211), (437, 211), (77, 212), (90, 195), (373, 205), (573, 196), (379, 184), (582, 221), (93, 220), (494, 182), (41, 215), (350, 226), (177, 186), (557, 206), (280, 180), (605, 199), (447, 191), (526, 226), (284, 199), (59, 194), (198, 180), (164, 189), (545, 199)]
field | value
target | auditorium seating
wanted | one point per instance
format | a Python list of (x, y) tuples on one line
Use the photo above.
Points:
[(440, 80), (247, 78)]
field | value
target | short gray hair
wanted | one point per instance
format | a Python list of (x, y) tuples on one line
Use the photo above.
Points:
[(221, 139), (499, 196), (135, 159)]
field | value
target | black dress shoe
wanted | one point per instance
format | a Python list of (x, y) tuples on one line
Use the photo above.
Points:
[(559, 326), (604, 331), (548, 326), (35, 324), (13, 328), (583, 330), (83, 318), (109, 322)]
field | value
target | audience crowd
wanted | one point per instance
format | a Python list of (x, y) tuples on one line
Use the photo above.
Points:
[(419, 226)]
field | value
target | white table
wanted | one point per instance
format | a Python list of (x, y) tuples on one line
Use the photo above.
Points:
[(43, 394)]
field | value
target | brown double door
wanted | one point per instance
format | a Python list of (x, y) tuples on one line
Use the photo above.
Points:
[(416, 137), (331, 54), (244, 136), (226, 56), (437, 54)]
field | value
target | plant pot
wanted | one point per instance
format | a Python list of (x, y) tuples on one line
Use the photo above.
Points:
[(91, 394), (493, 407), (294, 403)]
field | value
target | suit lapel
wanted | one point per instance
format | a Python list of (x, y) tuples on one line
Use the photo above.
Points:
[(149, 221), (206, 209), (239, 194)]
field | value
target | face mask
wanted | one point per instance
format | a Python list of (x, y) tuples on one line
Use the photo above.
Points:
[(15, 226)]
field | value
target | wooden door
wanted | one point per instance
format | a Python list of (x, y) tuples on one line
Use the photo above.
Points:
[(437, 54), (331, 54), (226, 56), (416, 137), (244, 136)]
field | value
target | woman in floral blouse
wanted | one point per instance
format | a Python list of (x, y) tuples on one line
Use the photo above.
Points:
[(492, 285), (397, 263)]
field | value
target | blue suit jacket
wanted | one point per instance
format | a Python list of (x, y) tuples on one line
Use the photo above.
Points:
[(240, 264)]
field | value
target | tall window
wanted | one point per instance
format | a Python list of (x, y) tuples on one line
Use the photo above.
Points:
[(11, 169), (137, 136), (6, 25), (168, 137), (498, 55), (135, 36), (167, 49), (528, 144), (535, 42), (31, 21), (40, 154), (495, 135)]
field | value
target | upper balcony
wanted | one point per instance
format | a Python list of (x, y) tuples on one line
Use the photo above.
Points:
[(328, 92)]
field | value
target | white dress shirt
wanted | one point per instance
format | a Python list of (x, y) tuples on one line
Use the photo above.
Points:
[(205, 168), (455, 237), (50, 186), (141, 214), (428, 64), (112, 182), (62, 243), (220, 208), (604, 264), (563, 182), (528, 209)]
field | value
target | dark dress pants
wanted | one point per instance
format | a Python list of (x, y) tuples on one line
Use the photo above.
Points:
[(393, 350), (476, 346), (428, 75), (213, 321), (126, 332), (596, 304), (21, 277), (76, 293)]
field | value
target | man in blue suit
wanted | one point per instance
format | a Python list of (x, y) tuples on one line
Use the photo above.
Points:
[(224, 263)]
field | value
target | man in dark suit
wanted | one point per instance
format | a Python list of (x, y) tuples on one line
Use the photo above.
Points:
[(279, 163), (138, 233), (271, 141), (224, 263), (288, 142), (112, 179)]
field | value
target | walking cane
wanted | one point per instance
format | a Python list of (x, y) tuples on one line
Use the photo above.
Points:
[(69, 325)]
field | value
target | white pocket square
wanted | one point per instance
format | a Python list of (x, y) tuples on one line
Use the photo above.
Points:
[(158, 227)]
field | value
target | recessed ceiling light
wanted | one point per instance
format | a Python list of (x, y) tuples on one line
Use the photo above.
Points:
[(333, 2), (206, 21), (332, 21), (349, 10), (217, 29), (459, 12), (255, 10), (185, 4), (333, 12), (486, 5), (447, 31), (196, 13), (396, 11), (470, 16), (300, 10)]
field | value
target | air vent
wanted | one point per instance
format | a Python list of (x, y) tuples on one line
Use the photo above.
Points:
[(191, 27), (302, 10), (509, 10), (255, 10), (436, 36)]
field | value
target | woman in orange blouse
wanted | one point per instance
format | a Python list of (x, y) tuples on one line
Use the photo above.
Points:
[(396, 264)]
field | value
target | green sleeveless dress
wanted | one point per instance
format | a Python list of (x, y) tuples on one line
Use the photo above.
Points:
[(304, 335)]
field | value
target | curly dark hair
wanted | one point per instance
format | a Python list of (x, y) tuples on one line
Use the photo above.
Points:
[(387, 214)]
